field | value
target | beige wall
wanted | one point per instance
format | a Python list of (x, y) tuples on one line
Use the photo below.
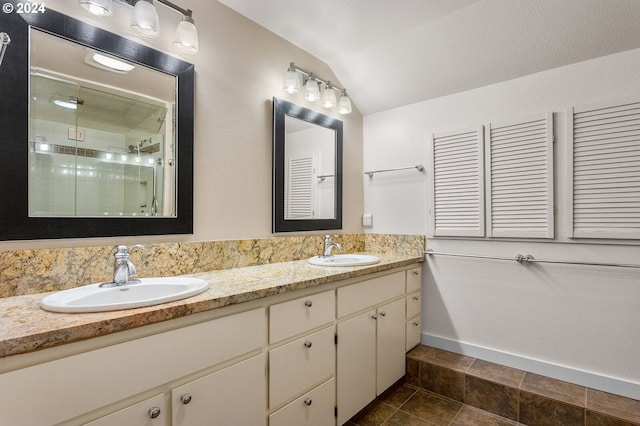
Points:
[(238, 70)]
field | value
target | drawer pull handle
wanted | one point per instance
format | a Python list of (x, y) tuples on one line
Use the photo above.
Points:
[(308, 303), (383, 313), (185, 398), (416, 298), (416, 323), (154, 412), (416, 273), (308, 344), (375, 317), (308, 401)]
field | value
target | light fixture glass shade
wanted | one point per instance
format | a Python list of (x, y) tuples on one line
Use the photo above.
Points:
[(291, 82), (344, 104), (144, 18), (98, 7), (328, 97), (311, 90), (185, 38)]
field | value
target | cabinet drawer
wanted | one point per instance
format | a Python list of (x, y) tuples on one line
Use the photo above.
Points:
[(356, 297), (297, 316), (414, 327), (299, 365), (315, 408), (414, 279), (414, 304)]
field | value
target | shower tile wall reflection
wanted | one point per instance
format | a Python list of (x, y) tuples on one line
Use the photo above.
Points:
[(72, 177)]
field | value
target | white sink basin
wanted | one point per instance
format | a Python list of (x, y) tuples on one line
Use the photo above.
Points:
[(344, 260), (150, 291)]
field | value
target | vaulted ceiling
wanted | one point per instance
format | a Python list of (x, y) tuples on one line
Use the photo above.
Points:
[(390, 53)]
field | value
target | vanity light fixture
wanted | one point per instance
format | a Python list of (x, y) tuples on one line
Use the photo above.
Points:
[(144, 20), (98, 7), (312, 86)]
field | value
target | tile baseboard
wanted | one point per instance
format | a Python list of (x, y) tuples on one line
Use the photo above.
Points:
[(567, 374)]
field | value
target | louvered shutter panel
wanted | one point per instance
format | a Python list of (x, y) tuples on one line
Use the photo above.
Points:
[(605, 163), (299, 200), (457, 196), (519, 176)]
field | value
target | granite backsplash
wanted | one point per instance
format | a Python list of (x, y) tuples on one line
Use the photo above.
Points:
[(43, 270)]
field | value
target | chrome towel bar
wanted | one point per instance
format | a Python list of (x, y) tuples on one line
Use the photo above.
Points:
[(530, 259), (419, 167)]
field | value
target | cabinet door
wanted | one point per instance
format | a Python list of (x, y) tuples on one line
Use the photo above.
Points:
[(391, 344), (236, 395), (151, 412), (356, 370)]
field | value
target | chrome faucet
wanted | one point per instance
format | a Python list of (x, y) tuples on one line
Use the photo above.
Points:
[(124, 271), (328, 245)]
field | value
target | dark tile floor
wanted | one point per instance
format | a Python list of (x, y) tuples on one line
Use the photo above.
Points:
[(406, 405)]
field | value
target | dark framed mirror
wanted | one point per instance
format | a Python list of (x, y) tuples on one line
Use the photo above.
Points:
[(307, 169), (99, 137)]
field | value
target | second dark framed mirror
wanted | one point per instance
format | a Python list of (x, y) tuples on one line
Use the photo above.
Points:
[(307, 169)]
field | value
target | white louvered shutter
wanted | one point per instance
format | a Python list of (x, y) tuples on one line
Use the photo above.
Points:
[(605, 170), (299, 178), (457, 193), (519, 176)]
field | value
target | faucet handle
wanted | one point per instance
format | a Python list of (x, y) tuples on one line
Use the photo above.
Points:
[(124, 250)]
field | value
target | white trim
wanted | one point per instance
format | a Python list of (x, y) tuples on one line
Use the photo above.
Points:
[(580, 377)]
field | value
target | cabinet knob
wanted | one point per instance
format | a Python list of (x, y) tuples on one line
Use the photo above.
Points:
[(416, 298), (383, 313), (375, 317), (308, 401), (415, 273), (308, 303), (416, 323), (185, 398), (154, 412), (308, 344)]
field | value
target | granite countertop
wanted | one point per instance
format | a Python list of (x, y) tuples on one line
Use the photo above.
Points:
[(25, 327)]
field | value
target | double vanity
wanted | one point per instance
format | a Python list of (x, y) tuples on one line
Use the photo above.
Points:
[(287, 343)]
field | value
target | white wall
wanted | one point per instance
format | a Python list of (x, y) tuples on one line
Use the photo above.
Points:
[(238, 70), (578, 323)]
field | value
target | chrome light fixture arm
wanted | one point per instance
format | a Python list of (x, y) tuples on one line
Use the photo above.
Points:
[(4, 42)]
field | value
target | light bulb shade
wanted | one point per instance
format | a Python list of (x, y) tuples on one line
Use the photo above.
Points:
[(328, 97), (344, 104), (185, 38), (291, 82), (144, 18), (311, 90), (98, 7)]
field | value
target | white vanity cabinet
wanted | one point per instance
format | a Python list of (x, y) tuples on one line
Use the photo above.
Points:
[(371, 341), (302, 361), (414, 308), (292, 359), (83, 386)]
